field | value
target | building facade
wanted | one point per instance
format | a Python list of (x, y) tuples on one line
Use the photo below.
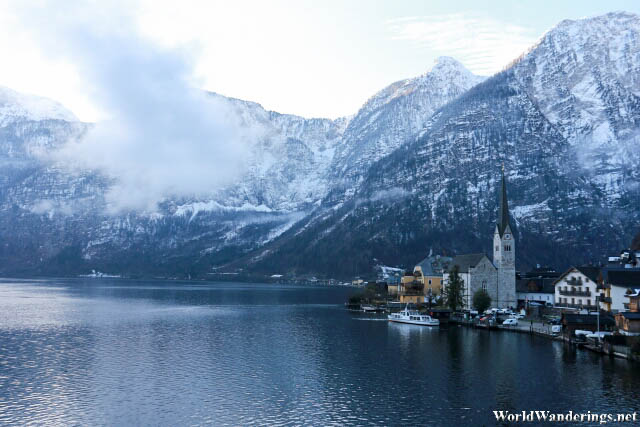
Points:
[(429, 271), (577, 288), (477, 272), (504, 254), (536, 287), (498, 278)]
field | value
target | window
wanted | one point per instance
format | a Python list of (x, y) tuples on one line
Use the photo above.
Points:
[(429, 281), (579, 302), (507, 247), (497, 248), (484, 285)]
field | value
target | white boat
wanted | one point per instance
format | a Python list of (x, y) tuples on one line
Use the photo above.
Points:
[(413, 318)]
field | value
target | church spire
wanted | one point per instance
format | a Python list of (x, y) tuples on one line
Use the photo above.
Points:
[(504, 207)]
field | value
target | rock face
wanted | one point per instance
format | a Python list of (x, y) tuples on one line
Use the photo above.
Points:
[(564, 121), (396, 114), (418, 167)]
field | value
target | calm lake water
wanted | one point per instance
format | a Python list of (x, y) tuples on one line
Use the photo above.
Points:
[(118, 352)]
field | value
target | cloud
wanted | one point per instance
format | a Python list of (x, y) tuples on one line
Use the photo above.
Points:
[(162, 136), (385, 195), (484, 45)]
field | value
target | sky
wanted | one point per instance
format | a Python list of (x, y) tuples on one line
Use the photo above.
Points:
[(310, 58)]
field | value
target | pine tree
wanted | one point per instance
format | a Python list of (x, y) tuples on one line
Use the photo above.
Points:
[(452, 293)]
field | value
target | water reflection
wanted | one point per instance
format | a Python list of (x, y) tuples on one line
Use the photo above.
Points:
[(135, 353)]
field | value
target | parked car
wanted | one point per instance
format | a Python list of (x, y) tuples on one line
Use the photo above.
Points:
[(556, 329), (517, 316), (510, 322)]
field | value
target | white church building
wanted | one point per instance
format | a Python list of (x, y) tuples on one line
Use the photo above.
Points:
[(498, 278)]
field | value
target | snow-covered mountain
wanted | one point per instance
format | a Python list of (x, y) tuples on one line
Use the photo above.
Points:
[(396, 114), (584, 76), (563, 118), (416, 168), (43, 201)]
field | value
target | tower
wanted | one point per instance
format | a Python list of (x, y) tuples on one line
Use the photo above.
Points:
[(504, 253)]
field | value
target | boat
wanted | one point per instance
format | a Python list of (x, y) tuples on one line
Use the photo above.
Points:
[(368, 308), (413, 318)]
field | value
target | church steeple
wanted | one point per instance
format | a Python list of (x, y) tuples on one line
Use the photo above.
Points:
[(503, 216)]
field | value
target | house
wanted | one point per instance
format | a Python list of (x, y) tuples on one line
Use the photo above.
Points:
[(498, 278), (634, 300), (537, 286), (628, 322), (476, 272), (429, 271), (577, 288), (586, 322), (411, 290), (615, 283), (628, 258)]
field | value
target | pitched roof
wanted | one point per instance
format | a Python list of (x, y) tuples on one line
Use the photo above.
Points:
[(503, 214), (467, 261), (590, 271), (631, 315), (434, 265), (587, 319), (627, 278), (542, 285)]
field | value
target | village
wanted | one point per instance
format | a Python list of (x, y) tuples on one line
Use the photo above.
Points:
[(594, 306)]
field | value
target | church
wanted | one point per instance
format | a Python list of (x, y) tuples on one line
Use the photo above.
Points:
[(497, 277)]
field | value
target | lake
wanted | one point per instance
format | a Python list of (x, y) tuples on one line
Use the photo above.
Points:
[(124, 352)]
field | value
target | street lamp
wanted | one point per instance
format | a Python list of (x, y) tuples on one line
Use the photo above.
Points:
[(598, 311)]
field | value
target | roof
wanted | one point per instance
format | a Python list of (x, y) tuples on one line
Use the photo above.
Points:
[(627, 278), (590, 271), (631, 315), (542, 285), (434, 265), (633, 293), (503, 215), (467, 261), (587, 319), (542, 272)]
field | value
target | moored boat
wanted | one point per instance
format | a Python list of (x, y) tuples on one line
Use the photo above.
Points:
[(413, 318)]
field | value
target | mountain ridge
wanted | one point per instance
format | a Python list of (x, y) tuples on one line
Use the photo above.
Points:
[(415, 168)]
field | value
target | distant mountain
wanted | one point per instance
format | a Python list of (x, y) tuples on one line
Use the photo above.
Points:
[(56, 221), (393, 116), (563, 119), (415, 169)]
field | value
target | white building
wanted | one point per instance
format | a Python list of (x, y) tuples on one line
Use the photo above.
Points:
[(616, 281), (577, 288)]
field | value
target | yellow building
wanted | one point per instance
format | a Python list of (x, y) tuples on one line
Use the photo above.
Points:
[(410, 289), (429, 273)]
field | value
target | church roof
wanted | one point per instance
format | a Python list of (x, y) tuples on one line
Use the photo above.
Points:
[(503, 215), (465, 262)]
